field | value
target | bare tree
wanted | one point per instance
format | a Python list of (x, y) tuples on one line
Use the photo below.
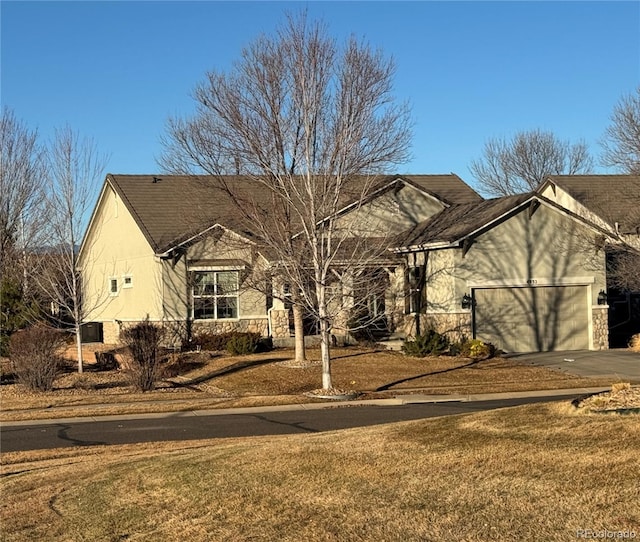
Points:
[(621, 142), (22, 220), (74, 168), (311, 123), (21, 194), (520, 164)]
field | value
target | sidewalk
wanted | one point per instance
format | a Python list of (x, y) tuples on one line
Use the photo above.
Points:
[(398, 400)]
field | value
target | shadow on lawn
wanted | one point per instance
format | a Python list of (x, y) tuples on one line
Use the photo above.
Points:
[(386, 387), (241, 365)]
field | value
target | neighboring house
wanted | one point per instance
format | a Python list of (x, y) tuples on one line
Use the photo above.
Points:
[(525, 272), (176, 249), (612, 202)]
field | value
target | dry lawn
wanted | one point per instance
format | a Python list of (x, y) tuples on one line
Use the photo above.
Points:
[(538, 472), (220, 381)]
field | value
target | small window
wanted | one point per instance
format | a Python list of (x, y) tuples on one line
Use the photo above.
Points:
[(127, 281), (113, 286)]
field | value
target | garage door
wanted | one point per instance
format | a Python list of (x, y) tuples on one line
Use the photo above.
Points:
[(533, 319)]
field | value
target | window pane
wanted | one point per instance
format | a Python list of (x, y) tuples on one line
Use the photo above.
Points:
[(227, 282), (203, 308), (204, 284), (227, 307)]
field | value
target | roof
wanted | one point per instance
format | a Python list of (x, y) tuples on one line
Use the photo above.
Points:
[(170, 209), (458, 221), (449, 188), (614, 198)]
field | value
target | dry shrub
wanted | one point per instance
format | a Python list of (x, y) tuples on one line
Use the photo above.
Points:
[(145, 364), (620, 386), (634, 343), (35, 355)]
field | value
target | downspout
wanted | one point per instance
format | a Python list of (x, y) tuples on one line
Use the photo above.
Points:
[(269, 324)]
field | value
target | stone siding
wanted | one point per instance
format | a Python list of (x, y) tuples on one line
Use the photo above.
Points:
[(252, 325), (456, 326), (280, 324), (600, 320)]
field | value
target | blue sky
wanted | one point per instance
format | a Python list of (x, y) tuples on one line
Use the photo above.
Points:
[(472, 70)]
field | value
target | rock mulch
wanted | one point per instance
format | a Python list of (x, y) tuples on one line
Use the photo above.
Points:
[(621, 397)]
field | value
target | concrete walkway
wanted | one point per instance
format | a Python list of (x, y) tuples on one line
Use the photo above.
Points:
[(619, 365)]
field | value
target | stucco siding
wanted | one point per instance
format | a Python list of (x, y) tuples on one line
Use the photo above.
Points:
[(115, 249), (391, 213), (543, 249)]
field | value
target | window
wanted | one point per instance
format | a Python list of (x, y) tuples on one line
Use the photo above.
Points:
[(215, 295), (414, 283), (113, 286), (127, 281)]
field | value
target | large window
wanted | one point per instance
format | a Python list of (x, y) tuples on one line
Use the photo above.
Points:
[(215, 295)]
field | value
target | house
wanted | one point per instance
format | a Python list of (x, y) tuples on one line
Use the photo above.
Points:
[(528, 272), (176, 249), (525, 272)]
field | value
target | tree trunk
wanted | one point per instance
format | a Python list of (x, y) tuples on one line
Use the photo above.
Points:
[(325, 355), (298, 330), (325, 336), (79, 348)]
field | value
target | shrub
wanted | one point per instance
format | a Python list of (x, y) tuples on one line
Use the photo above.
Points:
[(634, 343), (35, 355), (145, 364), (234, 342), (431, 343), (476, 349), (243, 344)]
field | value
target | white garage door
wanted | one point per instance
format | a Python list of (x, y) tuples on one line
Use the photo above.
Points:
[(533, 319)]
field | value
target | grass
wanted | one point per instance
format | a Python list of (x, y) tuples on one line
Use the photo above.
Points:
[(536, 471), (217, 381)]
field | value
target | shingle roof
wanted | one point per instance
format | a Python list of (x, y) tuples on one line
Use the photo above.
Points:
[(614, 198), (457, 221), (169, 209)]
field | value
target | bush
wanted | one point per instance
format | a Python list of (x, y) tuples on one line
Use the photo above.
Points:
[(243, 344), (235, 342), (431, 343), (145, 364), (35, 355), (474, 348)]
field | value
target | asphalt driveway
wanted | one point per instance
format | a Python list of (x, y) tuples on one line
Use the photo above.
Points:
[(619, 364)]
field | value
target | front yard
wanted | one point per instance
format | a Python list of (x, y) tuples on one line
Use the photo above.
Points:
[(536, 472), (216, 380)]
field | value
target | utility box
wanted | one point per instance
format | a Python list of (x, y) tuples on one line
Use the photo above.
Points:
[(91, 332)]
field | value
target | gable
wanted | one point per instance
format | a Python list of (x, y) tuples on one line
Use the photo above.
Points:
[(544, 243), (112, 230), (393, 210), (611, 201)]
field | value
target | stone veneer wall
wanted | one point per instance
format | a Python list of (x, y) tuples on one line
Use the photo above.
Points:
[(110, 333), (600, 322), (252, 325), (456, 326), (280, 324)]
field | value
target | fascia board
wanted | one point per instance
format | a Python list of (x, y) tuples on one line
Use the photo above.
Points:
[(168, 252)]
